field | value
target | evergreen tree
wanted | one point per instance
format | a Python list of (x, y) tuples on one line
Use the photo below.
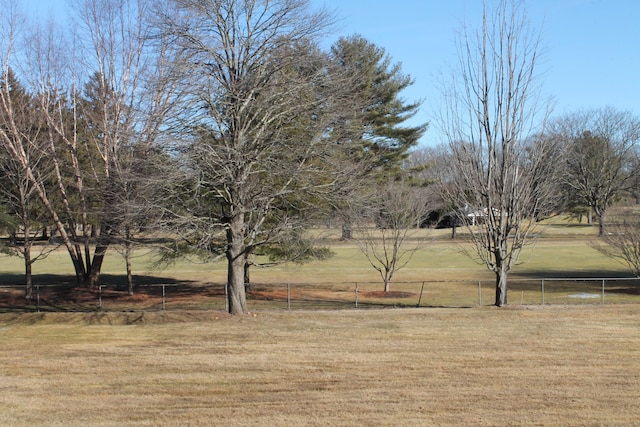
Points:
[(377, 127), (20, 126), (380, 120)]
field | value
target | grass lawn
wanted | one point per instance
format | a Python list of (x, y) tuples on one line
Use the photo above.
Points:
[(568, 364), (450, 276), (542, 366)]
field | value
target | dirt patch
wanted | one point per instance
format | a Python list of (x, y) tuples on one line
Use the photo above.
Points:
[(271, 295), (71, 298), (390, 294)]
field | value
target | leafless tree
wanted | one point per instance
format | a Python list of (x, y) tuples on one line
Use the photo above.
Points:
[(21, 137), (622, 241), (387, 226), (95, 95), (430, 165), (124, 107), (492, 107), (261, 98), (601, 152), (21, 126)]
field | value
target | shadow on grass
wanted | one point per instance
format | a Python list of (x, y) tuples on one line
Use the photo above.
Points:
[(582, 274), (61, 293), (615, 282), (572, 225)]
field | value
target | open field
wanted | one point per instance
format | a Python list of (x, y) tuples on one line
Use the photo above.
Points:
[(440, 274), (546, 366), (568, 364)]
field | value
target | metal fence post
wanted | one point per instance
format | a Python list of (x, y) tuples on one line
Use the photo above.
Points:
[(420, 297), (164, 298), (356, 294), (542, 286), (479, 292), (602, 291), (38, 297)]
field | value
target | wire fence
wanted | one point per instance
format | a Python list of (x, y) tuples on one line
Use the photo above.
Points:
[(321, 296)]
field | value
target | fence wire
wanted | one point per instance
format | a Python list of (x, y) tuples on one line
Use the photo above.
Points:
[(322, 296)]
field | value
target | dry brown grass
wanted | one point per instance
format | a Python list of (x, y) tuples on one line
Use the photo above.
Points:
[(559, 365)]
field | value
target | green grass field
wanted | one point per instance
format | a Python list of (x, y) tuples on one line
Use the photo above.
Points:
[(440, 274)]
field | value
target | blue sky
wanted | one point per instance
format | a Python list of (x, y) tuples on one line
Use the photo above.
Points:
[(592, 47)]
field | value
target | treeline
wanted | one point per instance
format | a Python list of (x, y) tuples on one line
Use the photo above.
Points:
[(221, 126), (224, 129)]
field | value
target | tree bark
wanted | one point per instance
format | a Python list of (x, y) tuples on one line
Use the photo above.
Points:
[(501, 285), (247, 276), (28, 276), (127, 258), (235, 266), (600, 213), (347, 231), (93, 274)]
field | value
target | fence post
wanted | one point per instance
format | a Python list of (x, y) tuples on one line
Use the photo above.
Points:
[(226, 297), (479, 293), (164, 298), (288, 296), (420, 297), (38, 297), (356, 294), (100, 297), (542, 281), (602, 291)]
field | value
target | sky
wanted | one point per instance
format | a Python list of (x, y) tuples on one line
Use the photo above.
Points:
[(591, 47)]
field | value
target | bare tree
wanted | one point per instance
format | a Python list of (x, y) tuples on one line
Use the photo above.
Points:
[(430, 165), (622, 242), (600, 150), (492, 107), (21, 126), (121, 113), (21, 137), (261, 97), (89, 132), (387, 227)]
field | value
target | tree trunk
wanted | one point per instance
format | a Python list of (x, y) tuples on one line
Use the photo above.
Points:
[(127, 259), (26, 254), (28, 276), (94, 267), (347, 231), (601, 225), (247, 276), (235, 268), (235, 286), (81, 274), (129, 273), (501, 285), (92, 278)]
